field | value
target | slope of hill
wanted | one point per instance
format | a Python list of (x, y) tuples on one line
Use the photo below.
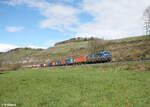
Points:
[(135, 48)]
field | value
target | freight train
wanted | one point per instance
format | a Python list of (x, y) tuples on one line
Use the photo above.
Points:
[(100, 57)]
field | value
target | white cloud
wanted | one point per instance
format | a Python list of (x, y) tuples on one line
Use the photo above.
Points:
[(57, 16), (14, 28), (119, 19), (36, 47), (50, 43), (111, 19), (69, 1), (6, 47), (85, 35)]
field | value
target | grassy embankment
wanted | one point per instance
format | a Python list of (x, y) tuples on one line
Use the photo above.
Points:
[(109, 85)]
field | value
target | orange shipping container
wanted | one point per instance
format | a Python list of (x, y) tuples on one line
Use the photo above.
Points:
[(80, 59), (53, 63), (63, 62)]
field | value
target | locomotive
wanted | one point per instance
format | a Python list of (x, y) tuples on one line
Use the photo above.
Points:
[(100, 57), (103, 56)]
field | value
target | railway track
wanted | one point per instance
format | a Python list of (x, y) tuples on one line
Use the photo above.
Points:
[(130, 61), (120, 62), (113, 62)]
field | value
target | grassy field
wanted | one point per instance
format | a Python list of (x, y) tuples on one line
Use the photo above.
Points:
[(99, 85)]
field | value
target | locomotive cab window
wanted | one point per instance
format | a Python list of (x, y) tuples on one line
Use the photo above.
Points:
[(107, 53)]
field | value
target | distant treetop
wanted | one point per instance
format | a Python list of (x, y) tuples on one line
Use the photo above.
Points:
[(78, 39)]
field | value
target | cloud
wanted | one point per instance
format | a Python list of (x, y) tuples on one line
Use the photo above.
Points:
[(58, 16), (36, 47), (6, 47), (110, 20), (85, 35), (50, 43), (69, 1), (14, 28)]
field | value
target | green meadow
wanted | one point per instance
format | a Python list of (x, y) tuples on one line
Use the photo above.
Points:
[(96, 85)]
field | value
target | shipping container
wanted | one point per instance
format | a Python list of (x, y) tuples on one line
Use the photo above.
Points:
[(58, 63), (40, 65), (92, 58), (69, 61), (63, 62), (49, 64), (81, 59), (37, 66), (34, 66), (53, 63)]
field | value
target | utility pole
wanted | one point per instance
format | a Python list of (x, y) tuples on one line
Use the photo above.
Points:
[(146, 15)]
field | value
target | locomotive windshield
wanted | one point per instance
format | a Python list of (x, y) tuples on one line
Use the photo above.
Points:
[(107, 53)]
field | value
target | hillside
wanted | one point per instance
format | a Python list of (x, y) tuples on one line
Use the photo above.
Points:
[(135, 48)]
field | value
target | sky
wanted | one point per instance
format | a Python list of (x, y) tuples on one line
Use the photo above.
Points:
[(42, 23)]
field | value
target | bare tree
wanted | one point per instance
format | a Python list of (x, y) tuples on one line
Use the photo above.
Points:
[(95, 46), (146, 15)]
